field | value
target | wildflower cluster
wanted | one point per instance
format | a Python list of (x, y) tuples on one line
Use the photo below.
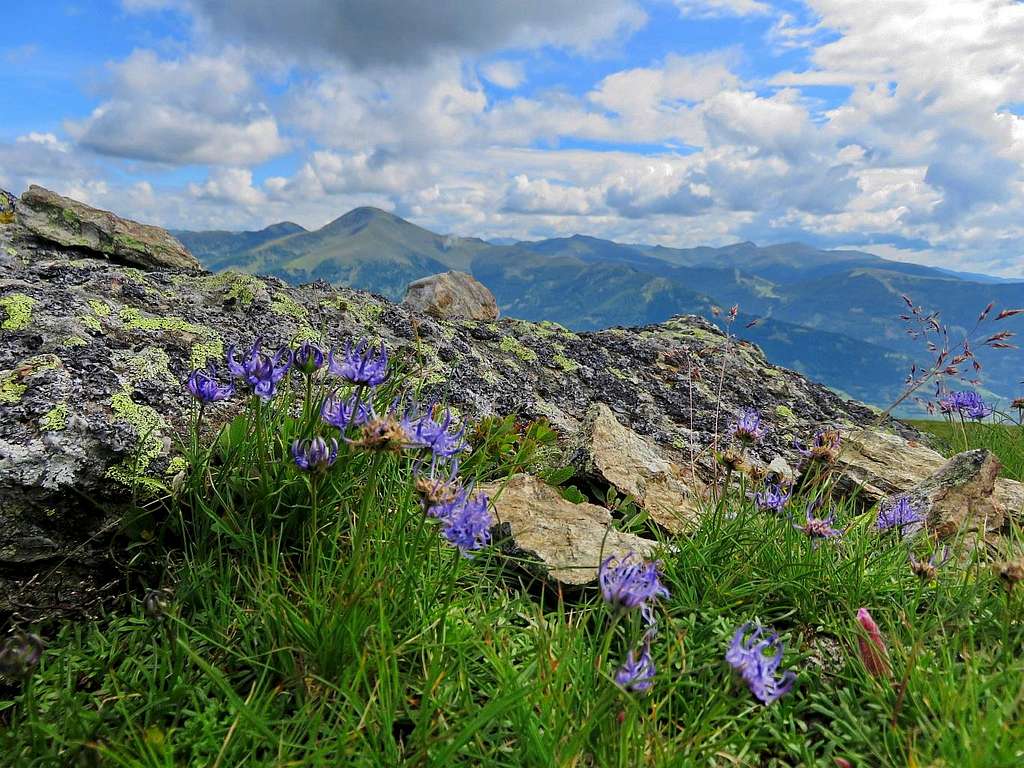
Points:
[(966, 403), (404, 427), (748, 429), (627, 583), (900, 514), (757, 659)]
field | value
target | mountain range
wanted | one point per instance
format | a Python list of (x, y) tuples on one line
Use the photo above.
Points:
[(830, 314)]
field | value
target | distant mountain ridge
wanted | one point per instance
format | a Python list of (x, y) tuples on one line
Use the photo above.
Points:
[(832, 315)]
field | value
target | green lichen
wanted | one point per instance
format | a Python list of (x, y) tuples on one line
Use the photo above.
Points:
[(566, 364), (91, 322), (70, 218), (243, 289), (284, 305), (176, 465), (75, 341), (209, 343), (511, 345), (56, 419), (130, 243), (151, 364), (7, 217), (11, 388), (148, 425), (18, 307), (618, 374), (785, 413), (99, 307)]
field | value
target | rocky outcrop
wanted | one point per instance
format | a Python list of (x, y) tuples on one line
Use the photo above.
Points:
[(451, 295), (959, 498), (553, 537), (616, 455), (72, 224), (93, 352)]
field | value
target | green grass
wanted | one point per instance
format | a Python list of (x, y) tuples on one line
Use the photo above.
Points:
[(325, 622), (1005, 440)]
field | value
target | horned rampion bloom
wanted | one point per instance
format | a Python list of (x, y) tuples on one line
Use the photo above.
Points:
[(818, 528), (747, 429), (824, 448), (314, 455), (966, 403), (360, 364), (260, 371), (637, 672), (747, 655), (465, 521), (340, 412), (432, 434), (309, 358), (773, 498), (20, 654), (203, 385), (631, 583), (900, 514)]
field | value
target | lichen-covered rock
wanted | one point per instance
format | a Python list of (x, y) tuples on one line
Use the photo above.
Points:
[(452, 295), (7, 205), (557, 539), (959, 498), (618, 456), (879, 463), (93, 353), (70, 223)]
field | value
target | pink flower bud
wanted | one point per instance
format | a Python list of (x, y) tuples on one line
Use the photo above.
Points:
[(872, 646)]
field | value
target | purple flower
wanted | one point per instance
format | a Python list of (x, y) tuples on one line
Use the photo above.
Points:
[(637, 673), (437, 492), (426, 432), (825, 446), (818, 528), (746, 655), (309, 358), (466, 521), (20, 654), (928, 569), (900, 514), (631, 583), (314, 455), (773, 498), (966, 403), (261, 372), (202, 383), (361, 364), (747, 429), (340, 413)]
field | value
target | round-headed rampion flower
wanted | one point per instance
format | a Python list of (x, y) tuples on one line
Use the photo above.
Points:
[(466, 521), (309, 358), (773, 498), (261, 372), (426, 432), (637, 673), (747, 429), (20, 654), (361, 364), (746, 655), (340, 413), (824, 448), (631, 583), (929, 569), (383, 433), (818, 528), (202, 383), (966, 403), (900, 514), (314, 455), (439, 491)]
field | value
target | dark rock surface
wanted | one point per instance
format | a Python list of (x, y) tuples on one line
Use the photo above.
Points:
[(93, 354)]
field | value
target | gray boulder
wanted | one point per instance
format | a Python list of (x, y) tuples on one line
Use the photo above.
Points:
[(452, 295), (72, 224)]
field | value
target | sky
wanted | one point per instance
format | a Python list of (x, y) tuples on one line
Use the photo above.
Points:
[(893, 126)]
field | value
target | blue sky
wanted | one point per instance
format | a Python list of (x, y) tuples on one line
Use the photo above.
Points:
[(895, 127)]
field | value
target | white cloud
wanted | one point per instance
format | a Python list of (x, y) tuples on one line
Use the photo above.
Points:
[(723, 7), (504, 74), (228, 185), (198, 109)]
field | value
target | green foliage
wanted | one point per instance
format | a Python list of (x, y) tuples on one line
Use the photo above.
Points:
[(319, 619)]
